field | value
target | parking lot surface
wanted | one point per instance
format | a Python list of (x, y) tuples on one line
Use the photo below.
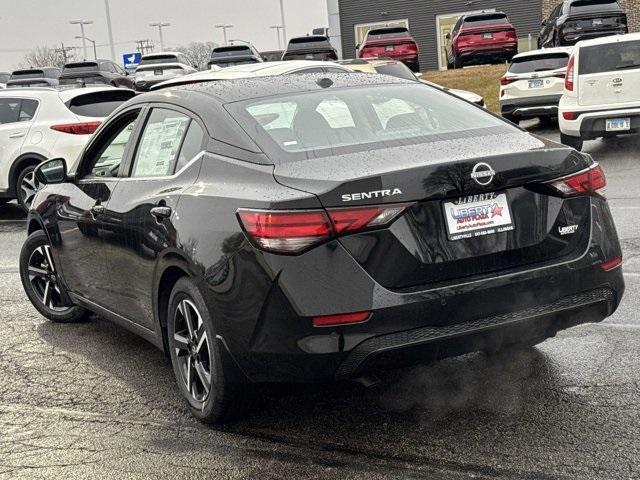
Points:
[(91, 400)]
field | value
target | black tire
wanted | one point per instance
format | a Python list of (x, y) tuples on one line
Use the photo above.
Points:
[(26, 187), (457, 62), (225, 399), (573, 142), (52, 302), (546, 121)]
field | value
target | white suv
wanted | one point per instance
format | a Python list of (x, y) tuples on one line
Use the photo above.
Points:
[(602, 90), (533, 84), (159, 67), (37, 124)]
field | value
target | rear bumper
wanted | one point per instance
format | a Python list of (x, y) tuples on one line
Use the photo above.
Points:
[(531, 106), (592, 124), (489, 52), (272, 338), (571, 40)]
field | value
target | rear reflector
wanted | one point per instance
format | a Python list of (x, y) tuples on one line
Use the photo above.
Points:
[(592, 180), (294, 231), (612, 264), (569, 115), (341, 319), (84, 128)]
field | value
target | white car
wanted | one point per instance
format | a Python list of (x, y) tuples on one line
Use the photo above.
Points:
[(533, 84), (41, 123), (159, 67), (264, 69), (602, 90)]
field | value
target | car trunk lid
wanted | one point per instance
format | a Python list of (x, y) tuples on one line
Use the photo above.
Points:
[(609, 73), (436, 240)]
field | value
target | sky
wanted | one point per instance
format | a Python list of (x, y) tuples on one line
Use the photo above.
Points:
[(25, 24)]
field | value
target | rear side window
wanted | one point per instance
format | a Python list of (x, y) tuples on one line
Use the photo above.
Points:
[(589, 6), (191, 146), (14, 110), (479, 20), (160, 143), (99, 104), (539, 63), (610, 57)]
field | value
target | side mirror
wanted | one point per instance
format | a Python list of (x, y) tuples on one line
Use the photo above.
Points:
[(358, 46), (51, 172), (448, 36), (544, 23)]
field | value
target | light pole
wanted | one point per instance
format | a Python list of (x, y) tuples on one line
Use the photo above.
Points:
[(113, 51), (82, 23), (277, 28), (160, 26), (224, 27), (283, 23), (95, 51)]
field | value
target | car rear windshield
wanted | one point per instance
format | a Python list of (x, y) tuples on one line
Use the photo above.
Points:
[(388, 32), (159, 59), (610, 57), (399, 70), (539, 63), (83, 67), (22, 74), (4, 77), (479, 20), (356, 119), (309, 43), (234, 51), (99, 104), (590, 6)]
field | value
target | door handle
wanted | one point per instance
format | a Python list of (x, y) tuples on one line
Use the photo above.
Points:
[(17, 135), (161, 212), (98, 209)]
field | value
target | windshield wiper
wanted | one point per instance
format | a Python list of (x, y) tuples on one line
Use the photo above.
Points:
[(626, 67)]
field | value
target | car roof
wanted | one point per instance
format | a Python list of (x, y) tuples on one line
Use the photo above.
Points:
[(160, 54), (64, 94), (234, 90), (263, 69), (544, 51), (629, 37)]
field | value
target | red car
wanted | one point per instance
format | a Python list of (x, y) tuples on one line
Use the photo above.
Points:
[(481, 38), (391, 42)]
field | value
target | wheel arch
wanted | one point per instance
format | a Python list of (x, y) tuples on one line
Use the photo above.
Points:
[(34, 224), (24, 160), (171, 268)]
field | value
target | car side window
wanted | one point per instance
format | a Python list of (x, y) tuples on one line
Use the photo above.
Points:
[(9, 110), (27, 110), (160, 143), (191, 146), (108, 150)]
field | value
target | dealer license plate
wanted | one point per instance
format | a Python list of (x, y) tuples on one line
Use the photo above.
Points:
[(487, 35), (389, 48), (478, 215), (618, 124), (536, 83), (157, 71)]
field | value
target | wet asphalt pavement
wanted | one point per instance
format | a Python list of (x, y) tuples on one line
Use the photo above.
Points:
[(91, 400)]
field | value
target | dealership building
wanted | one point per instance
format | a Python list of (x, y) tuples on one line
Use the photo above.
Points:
[(430, 20)]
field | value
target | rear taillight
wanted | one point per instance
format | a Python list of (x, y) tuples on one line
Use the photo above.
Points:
[(507, 80), (569, 78), (83, 128), (295, 231), (591, 180)]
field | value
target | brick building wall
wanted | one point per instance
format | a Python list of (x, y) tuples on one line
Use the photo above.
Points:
[(632, 7)]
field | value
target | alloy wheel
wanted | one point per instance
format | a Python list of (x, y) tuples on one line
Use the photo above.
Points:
[(193, 353), (28, 189), (44, 279)]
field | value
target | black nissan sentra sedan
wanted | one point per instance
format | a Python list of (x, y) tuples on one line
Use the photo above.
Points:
[(317, 227)]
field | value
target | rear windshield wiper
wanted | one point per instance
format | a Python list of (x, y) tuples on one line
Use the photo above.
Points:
[(626, 67)]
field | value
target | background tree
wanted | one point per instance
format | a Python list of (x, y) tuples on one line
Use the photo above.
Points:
[(47, 57), (198, 53)]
